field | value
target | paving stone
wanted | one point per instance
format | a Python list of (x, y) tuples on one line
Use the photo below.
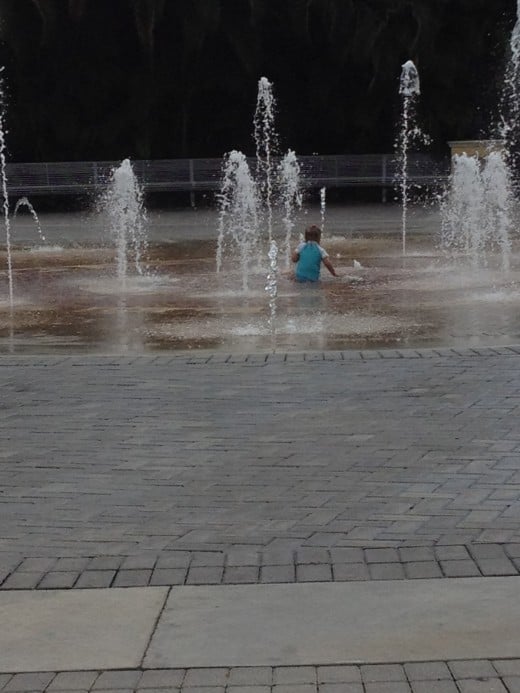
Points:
[(472, 669), (350, 571), (248, 689), (381, 556), (73, 680), (313, 573), (105, 563), (203, 689), (388, 687), (481, 686), (37, 681), (339, 673), (70, 565), (281, 556), (427, 671), (459, 568), (168, 576), (386, 571), (312, 555), (236, 575), (207, 559), (250, 676), (162, 678), (121, 678), (341, 688), (415, 554), (278, 573), (217, 676), (512, 550), (4, 678), (512, 683), (496, 566), (132, 578), (243, 557), (95, 579), (422, 569), (55, 580), (22, 581), (293, 675), (211, 575), (36, 565), (346, 555), (140, 562), (507, 667), (452, 553), (295, 688), (375, 673), (174, 559), (434, 687), (486, 551)]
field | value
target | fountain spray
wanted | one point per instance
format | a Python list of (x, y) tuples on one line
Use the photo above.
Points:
[(5, 196), (271, 288), (238, 212), (123, 203), (291, 197), (266, 146)]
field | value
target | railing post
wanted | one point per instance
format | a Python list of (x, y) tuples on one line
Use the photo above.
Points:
[(192, 184)]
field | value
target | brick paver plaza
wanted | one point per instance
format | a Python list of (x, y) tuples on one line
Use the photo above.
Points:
[(319, 522), (165, 472)]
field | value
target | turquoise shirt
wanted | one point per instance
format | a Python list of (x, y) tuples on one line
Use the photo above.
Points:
[(308, 266)]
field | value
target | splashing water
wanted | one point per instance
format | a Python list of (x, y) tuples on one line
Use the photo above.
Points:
[(24, 202), (409, 133), (123, 204), (476, 212), (323, 203), (266, 142), (238, 212), (5, 196), (291, 197), (510, 99), (271, 288)]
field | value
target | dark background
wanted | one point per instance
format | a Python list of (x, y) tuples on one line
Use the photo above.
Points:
[(108, 79)]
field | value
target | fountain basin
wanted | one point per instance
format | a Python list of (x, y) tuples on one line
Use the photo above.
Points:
[(67, 297)]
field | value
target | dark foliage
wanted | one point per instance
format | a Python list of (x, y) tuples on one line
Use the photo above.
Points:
[(106, 79)]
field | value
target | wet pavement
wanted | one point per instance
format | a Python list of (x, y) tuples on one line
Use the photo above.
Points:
[(329, 503), (67, 295)]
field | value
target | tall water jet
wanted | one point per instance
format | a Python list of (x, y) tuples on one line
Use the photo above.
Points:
[(271, 288), (238, 213), (123, 204), (509, 126), (266, 142), (496, 180), (24, 202), (291, 197), (323, 205), (5, 196), (476, 211), (409, 89), (462, 209)]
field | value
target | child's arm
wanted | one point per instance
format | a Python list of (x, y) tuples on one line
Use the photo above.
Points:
[(328, 265), (295, 256)]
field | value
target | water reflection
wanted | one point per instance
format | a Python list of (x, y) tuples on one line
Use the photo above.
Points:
[(68, 299)]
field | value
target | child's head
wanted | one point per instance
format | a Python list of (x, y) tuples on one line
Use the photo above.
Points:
[(313, 233)]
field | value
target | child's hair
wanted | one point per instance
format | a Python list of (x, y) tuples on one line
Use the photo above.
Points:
[(313, 233)]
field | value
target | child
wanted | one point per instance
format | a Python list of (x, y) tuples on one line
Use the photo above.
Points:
[(309, 256)]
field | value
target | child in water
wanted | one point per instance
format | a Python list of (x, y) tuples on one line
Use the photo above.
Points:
[(309, 255)]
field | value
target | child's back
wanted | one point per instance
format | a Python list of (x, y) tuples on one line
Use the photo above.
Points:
[(309, 262)]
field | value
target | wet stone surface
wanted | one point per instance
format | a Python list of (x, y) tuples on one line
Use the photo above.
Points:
[(69, 298)]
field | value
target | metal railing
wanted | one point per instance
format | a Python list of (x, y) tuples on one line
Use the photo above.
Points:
[(192, 175)]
